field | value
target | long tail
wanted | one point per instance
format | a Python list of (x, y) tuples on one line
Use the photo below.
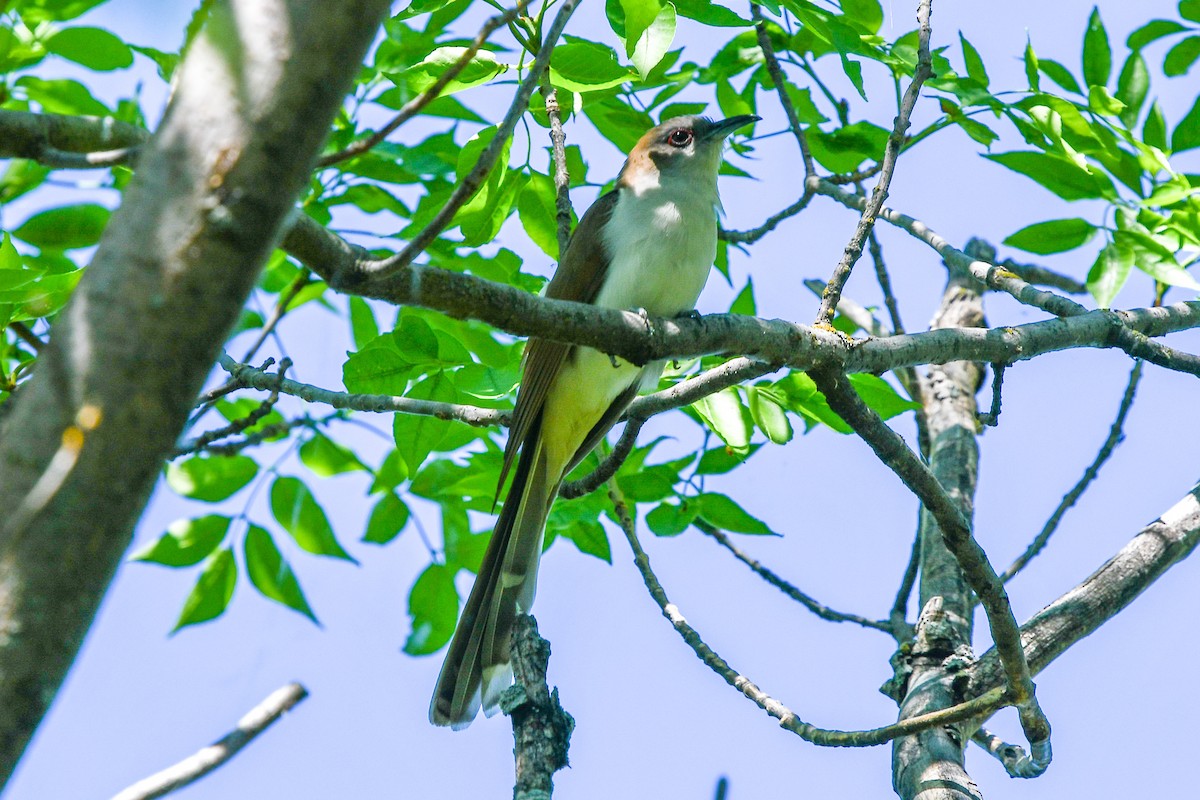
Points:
[(477, 667)]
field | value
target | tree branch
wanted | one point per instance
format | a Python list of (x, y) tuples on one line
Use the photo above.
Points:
[(956, 533), (171, 274), (487, 159), (196, 766), (541, 728), (780, 83), (820, 609), (418, 103), (983, 705), (891, 152), (70, 142)]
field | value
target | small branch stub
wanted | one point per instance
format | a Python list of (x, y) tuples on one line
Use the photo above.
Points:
[(541, 728)]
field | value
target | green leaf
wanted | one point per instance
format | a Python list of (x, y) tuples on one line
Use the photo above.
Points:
[(1154, 131), (744, 302), (1031, 67), (639, 16), (1181, 57), (766, 408), (588, 535), (363, 326), (1101, 102), (654, 43), (880, 396), (671, 519), (587, 67), (976, 71), (846, 148), (13, 273), (186, 542), (327, 458), (433, 609), (538, 210), (1152, 31), (65, 227), (1190, 10), (36, 11), (94, 48), (482, 68), (271, 574), (213, 590), (1132, 86), (295, 508), (210, 478), (387, 520), (618, 123), (417, 435), (866, 15), (710, 14), (1187, 132), (1059, 174), (724, 513), (62, 96), (377, 368), (1059, 74), (1097, 53), (1109, 273), (1053, 236), (720, 460), (725, 416)]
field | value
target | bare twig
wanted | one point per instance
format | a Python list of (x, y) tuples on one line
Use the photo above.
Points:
[(1131, 341), (780, 81), (281, 307), (754, 234), (983, 705), (609, 465), (558, 159), (891, 151), (1013, 757), (208, 759), (26, 335), (885, 281), (1043, 276), (991, 417), (820, 609), (541, 728), (899, 614), (487, 159), (414, 106), (1116, 433), (856, 177), (956, 532)]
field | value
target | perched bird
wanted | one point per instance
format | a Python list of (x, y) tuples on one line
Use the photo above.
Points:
[(648, 244)]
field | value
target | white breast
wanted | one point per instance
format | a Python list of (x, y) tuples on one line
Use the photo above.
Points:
[(661, 241)]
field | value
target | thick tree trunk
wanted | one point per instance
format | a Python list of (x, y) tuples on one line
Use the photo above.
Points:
[(929, 765), (85, 439)]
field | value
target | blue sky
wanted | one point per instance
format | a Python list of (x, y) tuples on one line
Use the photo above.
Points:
[(651, 720)]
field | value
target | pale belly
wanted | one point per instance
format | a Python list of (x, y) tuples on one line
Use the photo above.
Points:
[(661, 268)]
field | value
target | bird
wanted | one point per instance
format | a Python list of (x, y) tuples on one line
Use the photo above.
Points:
[(649, 244)]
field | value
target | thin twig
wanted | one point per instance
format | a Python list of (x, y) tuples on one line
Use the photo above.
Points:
[(26, 334), (899, 614), (1122, 336), (891, 151), (414, 106), (281, 308), (1116, 433), (487, 159), (820, 609), (956, 532), (1013, 757), (558, 159), (1043, 276), (754, 234), (780, 81), (991, 417), (856, 177), (208, 759), (609, 465), (984, 705)]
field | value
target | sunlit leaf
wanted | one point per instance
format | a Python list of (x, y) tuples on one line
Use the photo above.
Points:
[(295, 508), (186, 542), (213, 590), (210, 478), (1053, 236), (271, 574), (433, 610)]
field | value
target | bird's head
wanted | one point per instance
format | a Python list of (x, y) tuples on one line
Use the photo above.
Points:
[(681, 148)]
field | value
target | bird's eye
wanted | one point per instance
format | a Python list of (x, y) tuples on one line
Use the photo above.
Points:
[(680, 137)]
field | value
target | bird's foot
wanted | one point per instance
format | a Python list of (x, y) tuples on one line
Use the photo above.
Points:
[(691, 314)]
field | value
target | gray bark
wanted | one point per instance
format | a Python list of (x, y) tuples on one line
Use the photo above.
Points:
[(86, 437), (929, 765)]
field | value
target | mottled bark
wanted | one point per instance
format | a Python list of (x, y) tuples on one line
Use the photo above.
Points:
[(929, 765), (82, 446)]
